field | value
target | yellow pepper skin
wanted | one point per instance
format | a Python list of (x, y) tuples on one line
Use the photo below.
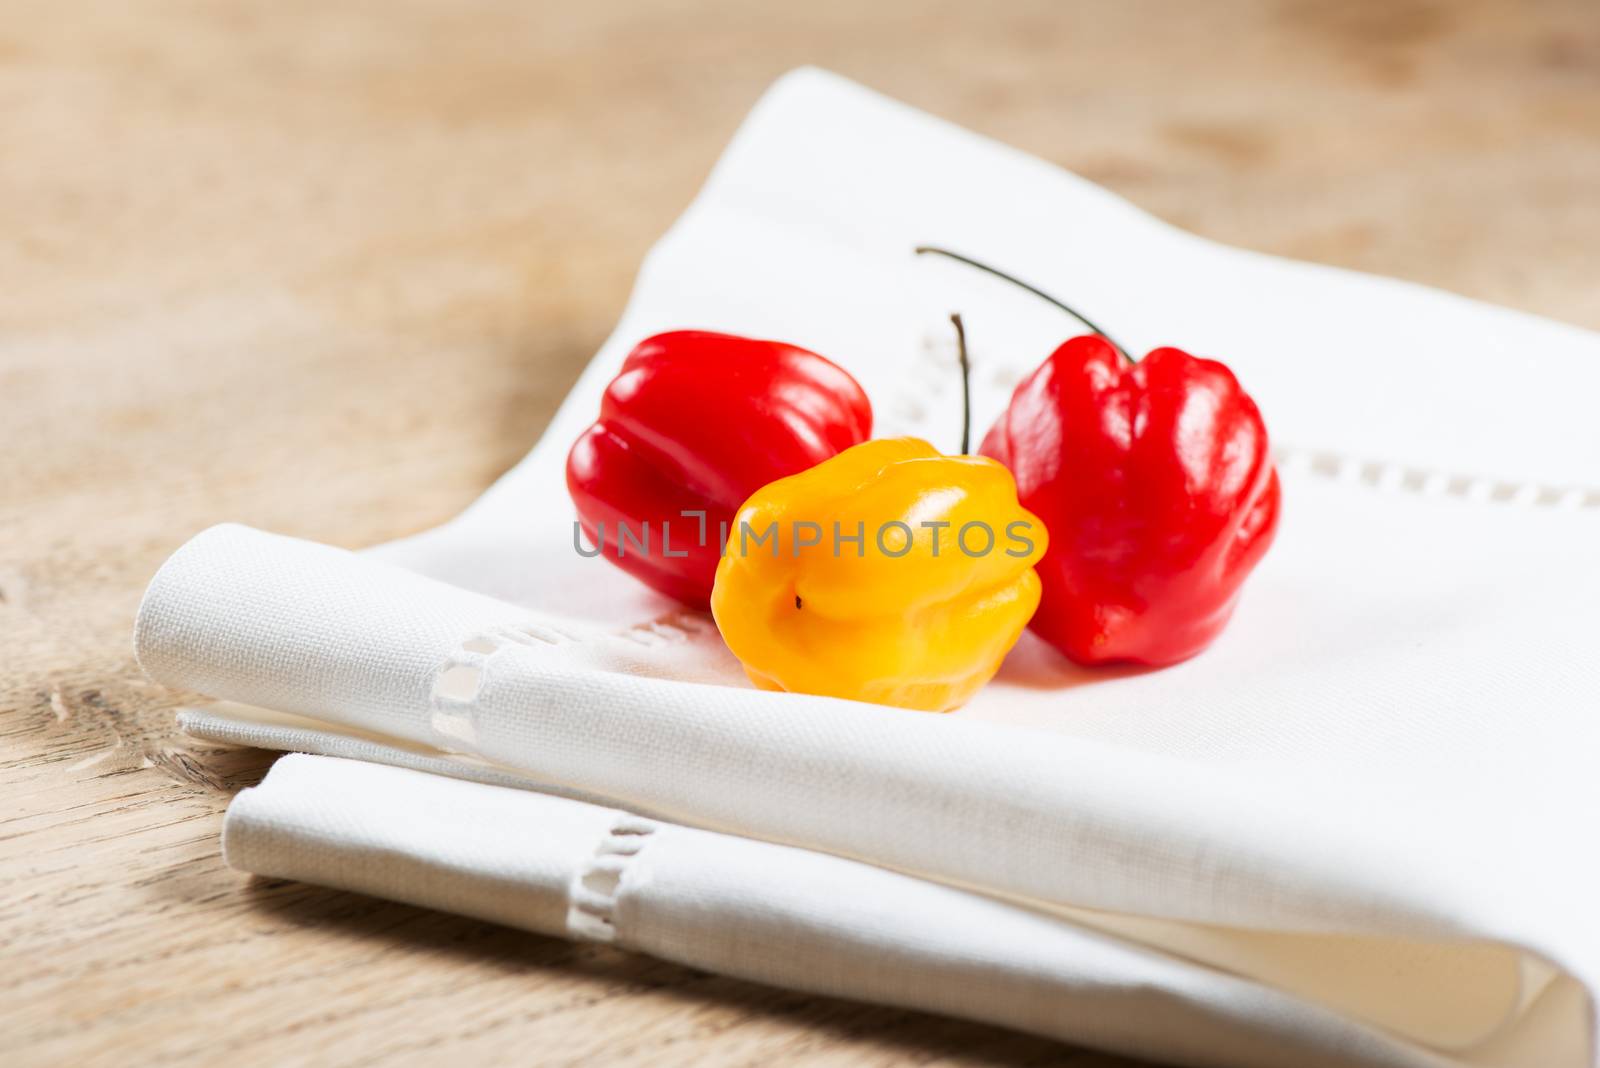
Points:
[(874, 620)]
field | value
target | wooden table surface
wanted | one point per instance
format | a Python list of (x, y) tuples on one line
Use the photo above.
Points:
[(327, 268)]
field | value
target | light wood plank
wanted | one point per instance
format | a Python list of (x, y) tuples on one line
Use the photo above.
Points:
[(327, 268)]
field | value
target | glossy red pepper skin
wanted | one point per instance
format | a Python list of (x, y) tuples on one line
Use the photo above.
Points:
[(698, 421), (1156, 483)]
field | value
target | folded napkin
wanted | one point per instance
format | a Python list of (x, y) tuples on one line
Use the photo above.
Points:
[(1359, 829), (766, 912)]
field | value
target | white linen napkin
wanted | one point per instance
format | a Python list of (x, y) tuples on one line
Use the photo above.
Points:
[(1357, 830), (768, 913)]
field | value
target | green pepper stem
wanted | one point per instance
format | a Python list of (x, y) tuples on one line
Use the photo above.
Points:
[(966, 383), (923, 250)]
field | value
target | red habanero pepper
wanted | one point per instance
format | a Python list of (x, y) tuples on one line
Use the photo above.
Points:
[(697, 422), (1156, 482)]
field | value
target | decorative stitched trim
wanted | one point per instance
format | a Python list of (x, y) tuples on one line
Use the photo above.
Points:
[(596, 885), (1399, 478), (909, 407), (461, 678), (592, 895), (674, 628)]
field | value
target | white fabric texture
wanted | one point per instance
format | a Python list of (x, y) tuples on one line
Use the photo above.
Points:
[(753, 909), (1359, 829)]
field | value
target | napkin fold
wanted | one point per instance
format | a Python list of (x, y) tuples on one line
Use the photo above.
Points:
[(768, 913), (1357, 830)]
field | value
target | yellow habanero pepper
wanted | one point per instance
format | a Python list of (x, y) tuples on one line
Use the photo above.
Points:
[(889, 573)]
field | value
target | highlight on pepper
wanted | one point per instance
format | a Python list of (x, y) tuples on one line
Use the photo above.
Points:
[(917, 612)]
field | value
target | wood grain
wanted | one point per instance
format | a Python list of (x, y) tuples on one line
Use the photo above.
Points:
[(326, 268)]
